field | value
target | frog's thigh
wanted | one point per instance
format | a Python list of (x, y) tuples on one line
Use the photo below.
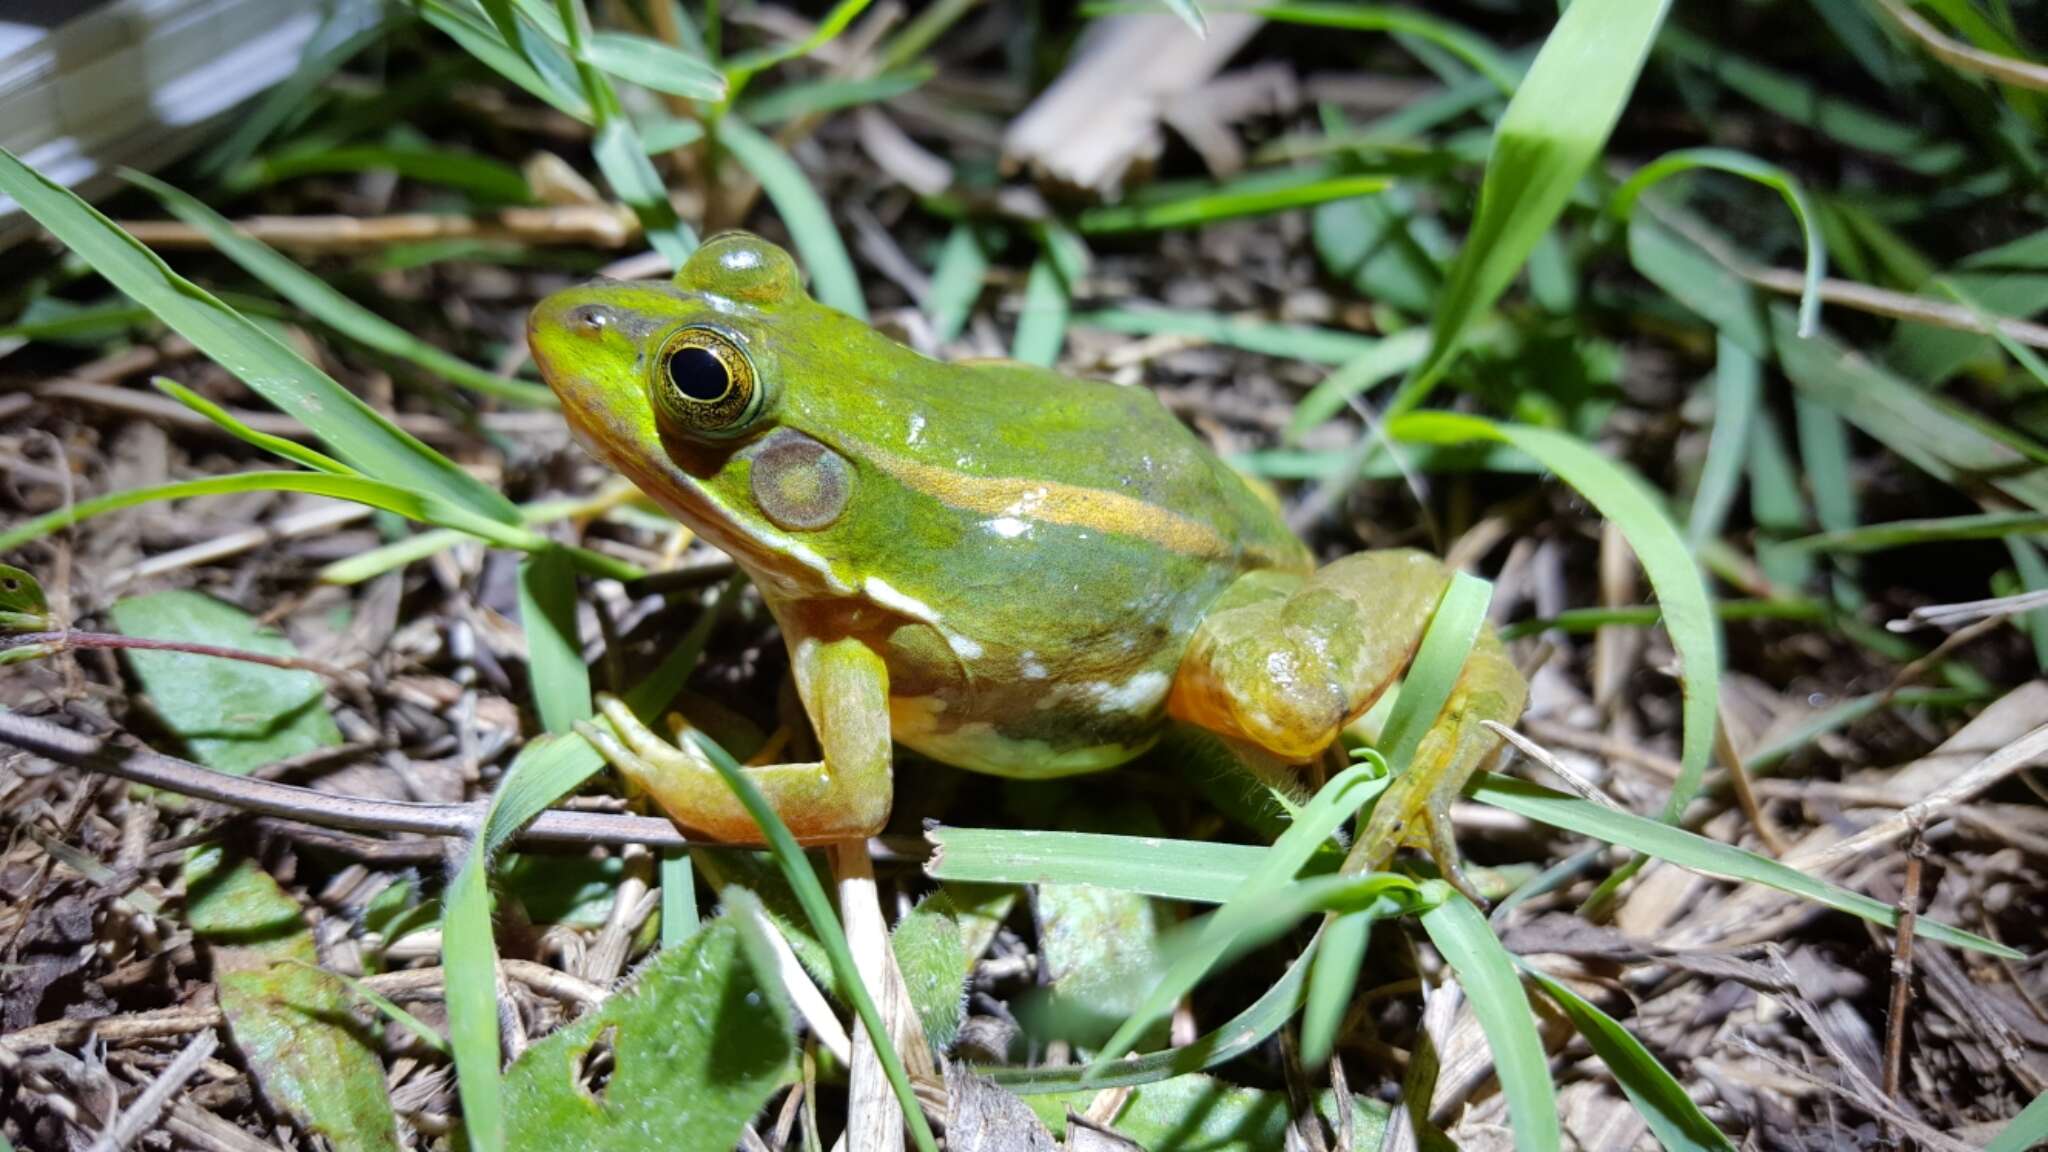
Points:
[(845, 689), (1287, 669)]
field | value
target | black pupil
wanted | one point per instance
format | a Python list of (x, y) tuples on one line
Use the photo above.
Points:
[(698, 374)]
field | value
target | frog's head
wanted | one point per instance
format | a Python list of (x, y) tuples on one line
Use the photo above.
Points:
[(705, 392)]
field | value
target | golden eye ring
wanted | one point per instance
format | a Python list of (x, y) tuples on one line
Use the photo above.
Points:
[(704, 383)]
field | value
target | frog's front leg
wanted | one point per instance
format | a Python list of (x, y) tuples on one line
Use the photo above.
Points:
[(1284, 663), (845, 690)]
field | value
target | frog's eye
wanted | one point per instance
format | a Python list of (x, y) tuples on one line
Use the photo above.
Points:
[(704, 383)]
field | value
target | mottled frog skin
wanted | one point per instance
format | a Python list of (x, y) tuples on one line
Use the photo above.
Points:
[(1004, 568)]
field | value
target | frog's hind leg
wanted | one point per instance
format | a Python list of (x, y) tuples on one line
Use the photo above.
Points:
[(1285, 663), (846, 795)]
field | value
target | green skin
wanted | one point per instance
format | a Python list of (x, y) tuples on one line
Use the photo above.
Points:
[(1006, 569)]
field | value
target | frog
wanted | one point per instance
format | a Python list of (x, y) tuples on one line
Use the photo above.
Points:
[(998, 566)]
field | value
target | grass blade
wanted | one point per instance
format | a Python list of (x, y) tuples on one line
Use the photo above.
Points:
[(554, 649), (1738, 388), (956, 283), (654, 65), (796, 869), (833, 280), (2027, 1130), (1291, 341), (1049, 296), (1749, 167), (358, 434), (291, 450), (1554, 128), (1487, 973), (1623, 497), (1905, 533), (622, 157), (1699, 854), (1169, 869), (1249, 197), (330, 307), (1659, 1098)]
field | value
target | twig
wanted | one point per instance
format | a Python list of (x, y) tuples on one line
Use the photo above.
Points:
[(1902, 975), (1898, 305), (322, 808), (141, 1115), (1745, 795), (1956, 54), (67, 640)]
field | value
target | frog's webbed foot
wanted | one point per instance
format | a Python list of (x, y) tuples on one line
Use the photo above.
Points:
[(845, 796), (1286, 663)]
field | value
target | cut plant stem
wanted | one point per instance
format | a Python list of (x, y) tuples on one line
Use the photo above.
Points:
[(874, 1119)]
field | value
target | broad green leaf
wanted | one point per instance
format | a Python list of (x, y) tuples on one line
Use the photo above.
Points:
[(1659, 1098), (233, 716), (935, 967), (1622, 496), (330, 307), (1099, 949), (1553, 130), (554, 647), (290, 1020), (696, 1046), (357, 433), (1487, 974), (833, 279)]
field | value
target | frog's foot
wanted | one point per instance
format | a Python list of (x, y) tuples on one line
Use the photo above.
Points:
[(1285, 664), (845, 796)]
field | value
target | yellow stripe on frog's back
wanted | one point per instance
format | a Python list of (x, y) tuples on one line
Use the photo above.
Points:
[(1051, 502)]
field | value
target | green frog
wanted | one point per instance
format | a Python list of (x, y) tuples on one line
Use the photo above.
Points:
[(1003, 568)]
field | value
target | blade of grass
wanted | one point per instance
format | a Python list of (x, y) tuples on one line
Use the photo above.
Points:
[(1659, 1098), (1242, 1033), (1227, 202), (1622, 497), (554, 650), (277, 445), (1048, 296), (654, 65), (833, 280), (810, 895), (1487, 973), (956, 283), (547, 769), (1905, 533), (2027, 1130), (793, 101), (1169, 869), (1336, 802), (622, 156), (358, 434), (1553, 130), (1432, 675), (741, 69), (1292, 341), (1699, 854), (1738, 388), (407, 502), (508, 49), (1742, 164), (1469, 47), (479, 177), (330, 307)]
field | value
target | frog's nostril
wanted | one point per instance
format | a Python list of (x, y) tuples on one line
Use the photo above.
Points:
[(591, 318)]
